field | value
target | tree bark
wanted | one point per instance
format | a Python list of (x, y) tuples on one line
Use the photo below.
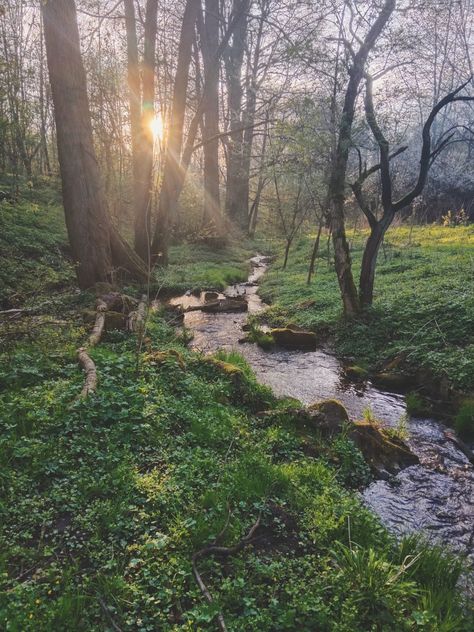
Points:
[(342, 258), (210, 43), (236, 207), (170, 188), (94, 242)]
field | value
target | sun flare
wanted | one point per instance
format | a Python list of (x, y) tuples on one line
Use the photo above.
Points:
[(157, 127)]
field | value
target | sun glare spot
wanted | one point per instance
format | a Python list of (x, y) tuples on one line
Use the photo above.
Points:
[(157, 127)]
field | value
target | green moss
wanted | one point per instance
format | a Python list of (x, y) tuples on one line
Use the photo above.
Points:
[(464, 421)]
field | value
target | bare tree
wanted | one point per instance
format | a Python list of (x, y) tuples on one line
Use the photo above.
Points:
[(378, 227), (337, 194)]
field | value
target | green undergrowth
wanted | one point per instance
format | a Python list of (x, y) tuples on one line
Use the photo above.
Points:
[(32, 240), (34, 259), (104, 501), (423, 307), (202, 267)]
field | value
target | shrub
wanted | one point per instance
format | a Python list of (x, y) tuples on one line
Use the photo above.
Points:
[(464, 421)]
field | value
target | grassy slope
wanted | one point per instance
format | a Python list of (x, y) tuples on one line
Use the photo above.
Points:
[(104, 501), (424, 301), (32, 242)]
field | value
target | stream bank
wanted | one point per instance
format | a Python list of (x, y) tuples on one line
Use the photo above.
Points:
[(435, 498)]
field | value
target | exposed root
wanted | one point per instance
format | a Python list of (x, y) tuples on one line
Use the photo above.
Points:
[(87, 364), (99, 325), (136, 319), (215, 549)]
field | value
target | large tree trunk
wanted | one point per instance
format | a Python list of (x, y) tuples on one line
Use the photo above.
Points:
[(84, 205), (144, 174), (94, 243), (134, 87), (210, 42)]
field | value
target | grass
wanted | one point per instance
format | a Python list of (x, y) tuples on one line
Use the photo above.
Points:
[(34, 250), (423, 309), (32, 241), (104, 501), (201, 267)]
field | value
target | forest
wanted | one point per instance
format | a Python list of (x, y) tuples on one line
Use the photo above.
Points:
[(237, 315)]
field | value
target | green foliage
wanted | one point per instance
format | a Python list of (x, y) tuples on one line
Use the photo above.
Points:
[(353, 471), (32, 240), (104, 501), (416, 404), (464, 420), (261, 338), (423, 308), (201, 267)]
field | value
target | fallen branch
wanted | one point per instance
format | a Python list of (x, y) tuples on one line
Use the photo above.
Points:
[(136, 319), (87, 364), (99, 325), (104, 607), (215, 549)]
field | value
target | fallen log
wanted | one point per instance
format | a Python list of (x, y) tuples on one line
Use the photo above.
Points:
[(89, 368), (99, 325)]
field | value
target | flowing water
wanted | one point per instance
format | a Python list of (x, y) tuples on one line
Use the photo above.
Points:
[(435, 497)]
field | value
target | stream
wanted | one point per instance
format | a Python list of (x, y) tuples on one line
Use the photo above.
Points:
[(435, 497)]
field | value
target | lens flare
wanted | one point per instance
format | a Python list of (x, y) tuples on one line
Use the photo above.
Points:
[(157, 127)]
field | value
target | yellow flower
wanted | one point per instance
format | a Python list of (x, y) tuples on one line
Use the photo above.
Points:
[(37, 602)]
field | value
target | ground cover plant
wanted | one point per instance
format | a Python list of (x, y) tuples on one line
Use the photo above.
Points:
[(105, 501), (423, 308)]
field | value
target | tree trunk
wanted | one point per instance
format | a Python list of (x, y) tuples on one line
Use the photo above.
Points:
[(287, 252), (170, 188), (315, 251), (369, 261), (94, 243), (236, 207), (210, 43), (342, 258), (144, 171)]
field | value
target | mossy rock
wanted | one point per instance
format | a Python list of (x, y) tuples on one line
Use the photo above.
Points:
[(160, 357), (222, 306), (295, 339), (417, 405), (464, 420), (356, 373), (226, 367), (330, 416), (393, 381), (210, 296), (384, 454), (115, 320)]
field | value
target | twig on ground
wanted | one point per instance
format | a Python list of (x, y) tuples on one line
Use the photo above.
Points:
[(215, 549)]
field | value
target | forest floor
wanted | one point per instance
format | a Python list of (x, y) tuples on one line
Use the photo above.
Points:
[(105, 500), (423, 310)]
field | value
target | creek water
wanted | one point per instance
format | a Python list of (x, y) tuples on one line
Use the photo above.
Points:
[(435, 497)]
